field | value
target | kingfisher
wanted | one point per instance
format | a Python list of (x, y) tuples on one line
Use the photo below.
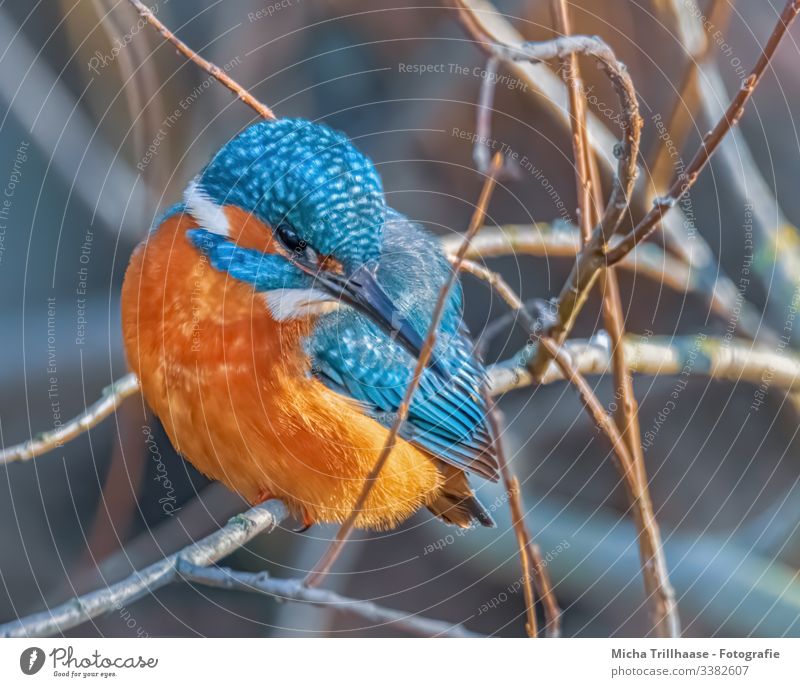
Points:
[(274, 319)]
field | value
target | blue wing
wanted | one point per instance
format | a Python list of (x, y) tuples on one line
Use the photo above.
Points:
[(354, 357)]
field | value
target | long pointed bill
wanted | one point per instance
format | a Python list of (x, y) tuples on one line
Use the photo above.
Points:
[(363, 292)]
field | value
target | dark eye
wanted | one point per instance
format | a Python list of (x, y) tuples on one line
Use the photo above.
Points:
[(293, 243)]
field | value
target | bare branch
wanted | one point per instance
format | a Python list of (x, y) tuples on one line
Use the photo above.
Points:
[(631, 123), (651, 552), (295, 590), (734, 361), (595, 256), (94, 414), (780, 273)]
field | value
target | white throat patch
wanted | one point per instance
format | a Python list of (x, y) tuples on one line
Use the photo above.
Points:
[(292, 304)]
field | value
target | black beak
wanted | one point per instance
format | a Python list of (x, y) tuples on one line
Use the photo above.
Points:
[(362, 291)]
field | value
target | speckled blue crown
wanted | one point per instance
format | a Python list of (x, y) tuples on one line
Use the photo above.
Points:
[(309, 176)]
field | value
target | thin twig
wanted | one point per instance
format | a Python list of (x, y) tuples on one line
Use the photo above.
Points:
[(322, 567), (234, 86), (570, 73), (533, 567)]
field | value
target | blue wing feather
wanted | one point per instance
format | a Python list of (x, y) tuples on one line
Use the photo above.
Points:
[(353, 356)]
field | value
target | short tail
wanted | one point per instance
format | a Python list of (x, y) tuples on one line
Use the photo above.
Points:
[(457, 504)]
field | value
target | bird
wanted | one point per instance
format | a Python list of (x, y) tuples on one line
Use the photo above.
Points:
[(274, 318)]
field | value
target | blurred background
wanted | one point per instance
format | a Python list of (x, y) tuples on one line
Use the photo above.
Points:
[(102, 127)]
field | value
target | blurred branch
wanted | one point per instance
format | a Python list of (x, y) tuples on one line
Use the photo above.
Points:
[(697, 46), (234, 86), (711, 141)]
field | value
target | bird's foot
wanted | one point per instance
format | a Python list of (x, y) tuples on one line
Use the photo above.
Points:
[(262, 496), (307, 523)]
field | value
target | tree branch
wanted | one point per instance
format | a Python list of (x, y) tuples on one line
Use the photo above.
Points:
[(110, 400), (295, 590), (595, 256)]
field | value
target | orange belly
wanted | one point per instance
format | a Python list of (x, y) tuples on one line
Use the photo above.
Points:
[(232, 389)]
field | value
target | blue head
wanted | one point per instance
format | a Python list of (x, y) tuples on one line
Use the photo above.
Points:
[(323, 200), (306, 180)]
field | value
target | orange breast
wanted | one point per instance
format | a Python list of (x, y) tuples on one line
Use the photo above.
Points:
[(233, 391)]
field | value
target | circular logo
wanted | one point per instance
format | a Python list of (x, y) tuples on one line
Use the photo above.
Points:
[(31, 660)]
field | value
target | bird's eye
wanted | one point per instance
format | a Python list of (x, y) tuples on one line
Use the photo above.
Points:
[(294, 244)]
